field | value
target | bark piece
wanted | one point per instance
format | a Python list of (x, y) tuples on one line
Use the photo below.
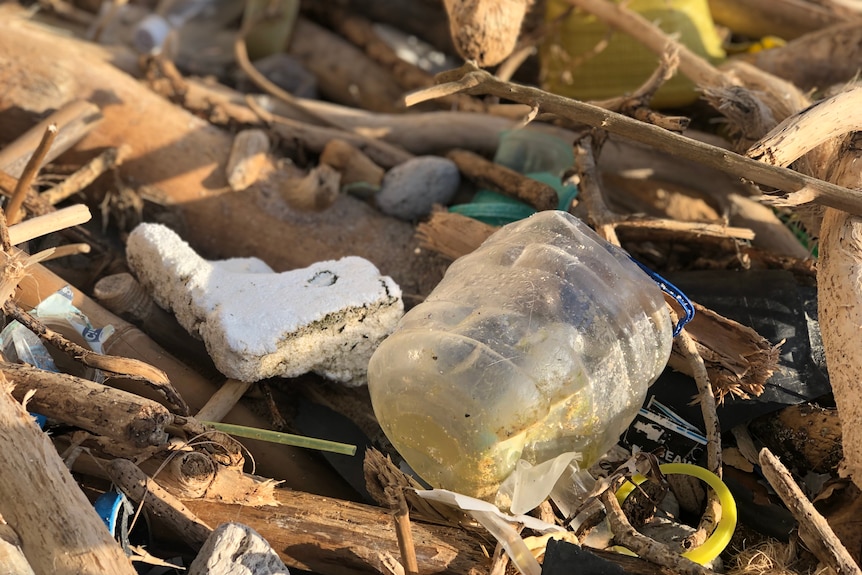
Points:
[(738, 359), (504, 180), (236, 549), (37, 486), (102, 410), (807, 436), (247, 158), (315, 192), (485, 31)]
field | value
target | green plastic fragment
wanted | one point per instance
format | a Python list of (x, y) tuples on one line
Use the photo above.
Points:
[(283, 438)]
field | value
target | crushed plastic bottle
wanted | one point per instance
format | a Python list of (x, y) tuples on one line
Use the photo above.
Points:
[(541, 342)]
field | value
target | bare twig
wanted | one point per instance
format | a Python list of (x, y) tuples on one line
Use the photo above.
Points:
[(401, 515), (474, 81), (29, 174), (636, 104), (707, 400), (223, 400), (263, 82), (86, 175), (600, 215), (315, 138), (63, 251), (712, 514), (49, 223), (813, 528), (607, 222), (646, 548)]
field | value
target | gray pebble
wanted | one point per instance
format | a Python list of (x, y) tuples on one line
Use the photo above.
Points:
[(409, 190)]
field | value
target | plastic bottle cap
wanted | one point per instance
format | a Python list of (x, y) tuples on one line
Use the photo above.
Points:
[(720, 537), (150, 34)]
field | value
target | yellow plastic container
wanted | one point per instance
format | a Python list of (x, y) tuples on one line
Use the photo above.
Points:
[(570, 66)]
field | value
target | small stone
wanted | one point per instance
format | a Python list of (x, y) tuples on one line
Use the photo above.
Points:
[(410, 189), (236, 549)]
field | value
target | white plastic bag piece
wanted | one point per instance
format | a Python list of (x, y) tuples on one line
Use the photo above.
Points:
[(528, 485), (498, 524)]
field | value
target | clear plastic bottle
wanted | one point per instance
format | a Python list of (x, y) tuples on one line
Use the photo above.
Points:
[(543, 341)]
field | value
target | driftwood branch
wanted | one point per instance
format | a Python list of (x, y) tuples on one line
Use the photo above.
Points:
[(804, 131), (359, 537), (123, 417), (140, 488), (839, 278), (37, 486)]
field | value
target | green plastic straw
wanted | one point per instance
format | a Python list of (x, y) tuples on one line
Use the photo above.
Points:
[(283, 438)]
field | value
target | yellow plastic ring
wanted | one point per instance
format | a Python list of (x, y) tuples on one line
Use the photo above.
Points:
[(722, 533)]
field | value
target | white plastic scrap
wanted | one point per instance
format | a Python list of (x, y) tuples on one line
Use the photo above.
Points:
[(499, 524), (327, 318)]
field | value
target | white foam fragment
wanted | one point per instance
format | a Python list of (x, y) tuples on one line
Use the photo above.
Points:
[(327, 318)]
